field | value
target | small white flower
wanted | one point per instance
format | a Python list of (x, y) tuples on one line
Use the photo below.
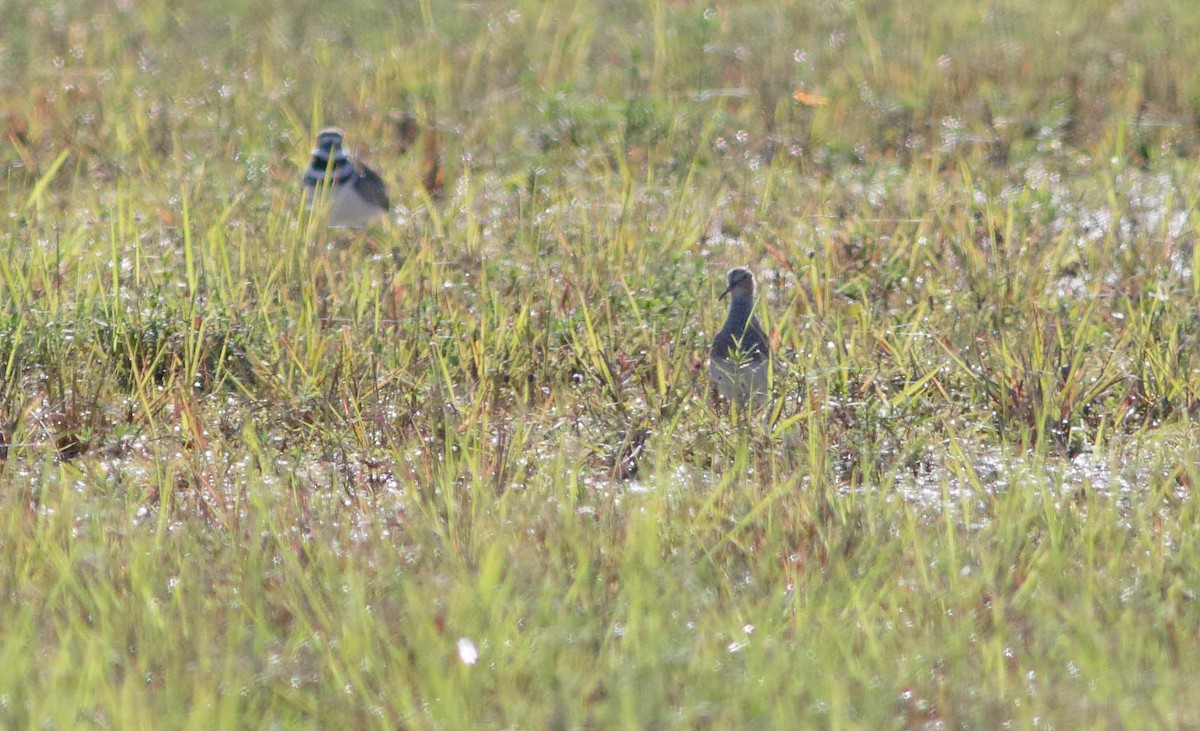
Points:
[(467, 651)]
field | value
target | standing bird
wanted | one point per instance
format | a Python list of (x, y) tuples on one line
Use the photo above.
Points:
[(740, 363), (354, 193)]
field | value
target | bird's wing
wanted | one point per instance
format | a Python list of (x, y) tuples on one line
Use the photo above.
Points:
[(372, 188)]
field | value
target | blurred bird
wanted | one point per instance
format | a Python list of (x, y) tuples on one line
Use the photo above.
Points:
[(354, 193), (740, 363)]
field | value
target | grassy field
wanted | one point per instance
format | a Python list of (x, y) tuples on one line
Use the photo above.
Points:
[(465, 470)]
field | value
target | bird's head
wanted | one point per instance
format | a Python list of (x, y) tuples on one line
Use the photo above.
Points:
[(329, 141), (741, 282)]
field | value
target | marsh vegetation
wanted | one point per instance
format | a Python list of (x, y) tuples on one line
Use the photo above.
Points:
[(465, 470)]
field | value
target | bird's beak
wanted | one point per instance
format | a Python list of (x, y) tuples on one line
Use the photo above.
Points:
[(722, 295)]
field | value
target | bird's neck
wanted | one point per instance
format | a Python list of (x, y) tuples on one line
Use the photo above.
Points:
[(741, 312)]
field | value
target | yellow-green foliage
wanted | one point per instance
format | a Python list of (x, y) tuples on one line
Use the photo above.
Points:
[(258, 475)]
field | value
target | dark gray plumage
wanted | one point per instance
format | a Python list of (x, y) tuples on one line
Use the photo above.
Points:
[(354, 193), (740, 362)]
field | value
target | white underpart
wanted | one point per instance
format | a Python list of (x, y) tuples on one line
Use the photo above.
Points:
[(347, 209)]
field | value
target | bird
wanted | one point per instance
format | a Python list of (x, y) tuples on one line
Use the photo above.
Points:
[(740, 362), (354, 193)]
